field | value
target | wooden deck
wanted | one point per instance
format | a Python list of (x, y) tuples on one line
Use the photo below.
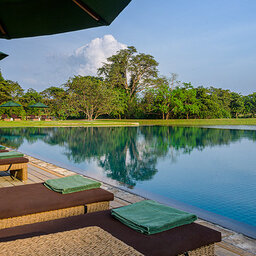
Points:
[(35, 175), (39, 171)]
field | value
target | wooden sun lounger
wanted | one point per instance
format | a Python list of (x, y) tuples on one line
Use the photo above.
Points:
[(32, 118), (17, 166), (192, 239), (34, 203), (16, 118), (45, 118)]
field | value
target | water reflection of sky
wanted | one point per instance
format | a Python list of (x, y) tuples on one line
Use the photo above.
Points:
[(56, 155), (191, 165)]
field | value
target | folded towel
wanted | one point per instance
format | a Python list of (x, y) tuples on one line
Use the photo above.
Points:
[(10, 154), (2, 147), (71, 184), (150, 217)]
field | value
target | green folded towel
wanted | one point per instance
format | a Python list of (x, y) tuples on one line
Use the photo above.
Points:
[(150, 217), (2, 147), (10, 154), (71, 184)]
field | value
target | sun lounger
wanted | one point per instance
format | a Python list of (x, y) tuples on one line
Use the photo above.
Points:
[(17, 167), (5, 118), (33, 203), (16, 118), (45, 118), (33, 118), (193, 239), (92, 241)]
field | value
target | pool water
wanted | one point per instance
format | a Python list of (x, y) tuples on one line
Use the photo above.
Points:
[(206, 168)]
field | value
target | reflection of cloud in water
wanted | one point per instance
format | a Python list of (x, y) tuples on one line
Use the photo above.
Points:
[(94, 171)]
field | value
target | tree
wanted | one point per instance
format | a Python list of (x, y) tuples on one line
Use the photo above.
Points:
[(162, 97), (91, 96), (208, 102), (236, 104), (250, 104), (189, 100), (119, 103), (222, 98), (130, 71), (9, 90), (57, 100), (29, 98), (31, 95)]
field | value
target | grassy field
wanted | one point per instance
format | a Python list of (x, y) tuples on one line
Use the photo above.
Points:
[(126, 122)]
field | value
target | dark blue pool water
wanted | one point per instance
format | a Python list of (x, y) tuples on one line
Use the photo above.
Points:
[(209, 169)]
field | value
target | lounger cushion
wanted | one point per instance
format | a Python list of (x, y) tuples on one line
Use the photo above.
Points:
[(172, 242), (34, 198), (15, 160)]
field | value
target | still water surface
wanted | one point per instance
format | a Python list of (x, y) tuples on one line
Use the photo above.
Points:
[(212, 169)]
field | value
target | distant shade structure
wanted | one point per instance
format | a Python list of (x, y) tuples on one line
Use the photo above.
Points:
[(38, 105), (28, 18), (10, 104)]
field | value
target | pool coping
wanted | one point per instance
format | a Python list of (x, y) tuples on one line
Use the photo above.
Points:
[(233, 241)]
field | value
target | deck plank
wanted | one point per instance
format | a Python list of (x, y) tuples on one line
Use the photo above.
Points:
[(42, 173), (38, 175), (34, 178)]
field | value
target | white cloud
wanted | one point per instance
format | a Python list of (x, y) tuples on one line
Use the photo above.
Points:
[(88, 58)]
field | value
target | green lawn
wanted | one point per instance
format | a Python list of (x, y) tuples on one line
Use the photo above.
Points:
[(130, 122)]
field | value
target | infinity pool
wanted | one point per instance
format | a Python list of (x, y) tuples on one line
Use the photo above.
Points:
[(207, 170)]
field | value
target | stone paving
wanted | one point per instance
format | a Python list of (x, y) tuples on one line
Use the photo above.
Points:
[(232, 244)]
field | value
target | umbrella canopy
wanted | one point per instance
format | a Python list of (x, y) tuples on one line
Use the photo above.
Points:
[(3, 55), (38, 105), (26, 18), (10, 104)]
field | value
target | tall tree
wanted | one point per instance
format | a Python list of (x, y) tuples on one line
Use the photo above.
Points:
[(130, 71)]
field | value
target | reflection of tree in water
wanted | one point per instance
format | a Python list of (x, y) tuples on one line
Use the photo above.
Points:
[(127, 154), (116, 150), (14, 137), (129, 161)]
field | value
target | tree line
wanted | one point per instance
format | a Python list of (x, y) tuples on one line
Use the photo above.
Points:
[(128, 85)]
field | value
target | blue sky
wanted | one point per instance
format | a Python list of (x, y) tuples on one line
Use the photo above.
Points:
[(206, 42)]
